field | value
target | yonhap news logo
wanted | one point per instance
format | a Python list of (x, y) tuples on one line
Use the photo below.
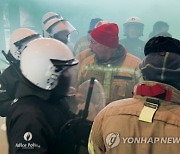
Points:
[(150, 140), (114, 139)]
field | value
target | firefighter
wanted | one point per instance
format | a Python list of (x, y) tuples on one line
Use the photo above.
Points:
[(86, 53), (10, 76), (111, 64), (133, 29), (3, 136), (148, 122)]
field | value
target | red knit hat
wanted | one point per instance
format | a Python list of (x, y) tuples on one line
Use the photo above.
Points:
[(106, 34)]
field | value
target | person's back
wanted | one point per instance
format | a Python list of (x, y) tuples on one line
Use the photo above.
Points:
[(133, 29), (150, 121)]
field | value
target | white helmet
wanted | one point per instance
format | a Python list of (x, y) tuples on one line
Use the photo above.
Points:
[(19, 39), (60, 29), (43, 61), (48, 16), (47, 27), (133, 21)]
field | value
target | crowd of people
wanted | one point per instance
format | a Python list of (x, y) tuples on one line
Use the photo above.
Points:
[(97, 96)]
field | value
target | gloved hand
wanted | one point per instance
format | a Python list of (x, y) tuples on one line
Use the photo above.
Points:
[(77, 129)]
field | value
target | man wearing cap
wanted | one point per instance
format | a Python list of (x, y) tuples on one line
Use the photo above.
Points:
[(110, 64), (85, 53), (150, 121)]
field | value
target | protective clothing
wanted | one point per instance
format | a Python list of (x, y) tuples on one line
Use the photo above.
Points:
[(47, 27), (133, 29), (59, 29), (38, 107), (19, 40), (150, 121), (40, 121), (48, 16), (10, 76), (117, 128), (8, 81), (117, 76), (162, 44), (55, 58), (3, 140)]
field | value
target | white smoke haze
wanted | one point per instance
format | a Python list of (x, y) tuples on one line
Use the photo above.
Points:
[(80, 12)]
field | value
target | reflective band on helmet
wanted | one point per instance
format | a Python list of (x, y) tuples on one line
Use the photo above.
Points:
[(25, 40)]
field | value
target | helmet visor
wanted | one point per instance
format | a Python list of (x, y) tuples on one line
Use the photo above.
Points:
[(63, 25), (62, 65)]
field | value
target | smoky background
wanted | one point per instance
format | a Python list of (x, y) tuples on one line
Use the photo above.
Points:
[(28, 13)]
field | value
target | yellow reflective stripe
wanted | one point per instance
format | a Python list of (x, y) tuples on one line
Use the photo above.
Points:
[(90, 146), (108, 68), (107, 83), (138, 75), (138, 72), (164, 65)]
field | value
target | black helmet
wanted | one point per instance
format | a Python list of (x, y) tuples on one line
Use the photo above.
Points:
[(162, 44)]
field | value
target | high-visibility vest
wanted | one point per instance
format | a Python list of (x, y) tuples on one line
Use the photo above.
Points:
[(118, 79)]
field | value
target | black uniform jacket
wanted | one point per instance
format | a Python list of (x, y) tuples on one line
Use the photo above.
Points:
[(34, 122), (8, 82)]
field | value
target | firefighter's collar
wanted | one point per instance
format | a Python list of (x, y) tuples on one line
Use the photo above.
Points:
[(166, 92)]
